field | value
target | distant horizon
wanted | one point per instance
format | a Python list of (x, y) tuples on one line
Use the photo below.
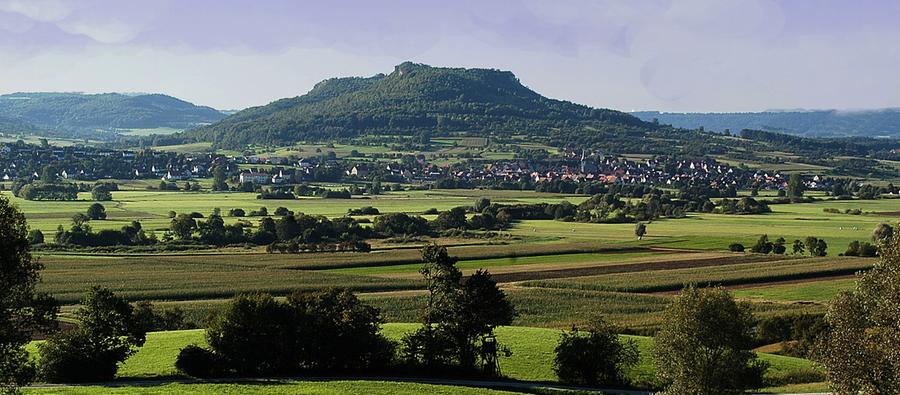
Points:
[(676, 56), (772, 110)]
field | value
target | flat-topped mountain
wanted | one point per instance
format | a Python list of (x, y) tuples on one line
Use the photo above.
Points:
[(412, 99)]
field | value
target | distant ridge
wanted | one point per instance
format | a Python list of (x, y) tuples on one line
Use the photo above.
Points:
[(76, 113), (811, 123)]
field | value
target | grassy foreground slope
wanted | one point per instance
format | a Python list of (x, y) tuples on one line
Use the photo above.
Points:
[(277, 387), (531, 360)]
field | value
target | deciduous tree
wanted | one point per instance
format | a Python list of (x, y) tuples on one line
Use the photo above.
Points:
[(860, 349), (703, 347)]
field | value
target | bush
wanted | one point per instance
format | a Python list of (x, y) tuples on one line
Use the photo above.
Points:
[(283, 211), (96, 212), (325, 331), (762, 246), (237, 212), (595, 358), (35, 237), (107, 335), (196, 361), (736, 247), (101, 193), (70, 357)]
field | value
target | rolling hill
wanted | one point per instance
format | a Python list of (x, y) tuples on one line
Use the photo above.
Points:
[(826, 123), (415, 98), (76, 114)]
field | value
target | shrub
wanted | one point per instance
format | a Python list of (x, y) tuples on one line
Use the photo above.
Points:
[(595, 358), (107, 335), (325, 331), (237, 212), (35, 237), (762, 246), (283, 211), (196, 361), (736, 247), (101, 193), (96, 212)]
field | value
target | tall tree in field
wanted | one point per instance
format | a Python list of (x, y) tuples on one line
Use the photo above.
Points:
[(640, 230), (219, 179), (20, 309), (861, 349), (795, 187), (703, 347), (458, 314)]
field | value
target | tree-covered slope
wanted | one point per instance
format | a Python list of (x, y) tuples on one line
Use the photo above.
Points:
[(15, 125), (829, 123), (75, 112), (413, 99)]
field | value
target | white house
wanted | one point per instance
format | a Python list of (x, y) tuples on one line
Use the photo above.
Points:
[(254, 177)]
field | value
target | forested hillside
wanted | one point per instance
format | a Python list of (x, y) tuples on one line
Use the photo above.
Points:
[(15, 125), (414, 99), (74, 114), (808, 123)]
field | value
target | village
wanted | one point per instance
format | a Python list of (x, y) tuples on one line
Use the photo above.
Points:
[(27, 162)]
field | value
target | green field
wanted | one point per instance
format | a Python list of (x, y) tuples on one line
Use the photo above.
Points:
[(276, 387), (531, 360), (813, 291), (747, 273), (555, 273)]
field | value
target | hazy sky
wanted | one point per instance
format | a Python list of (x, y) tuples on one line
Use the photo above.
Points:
[(715, 55)]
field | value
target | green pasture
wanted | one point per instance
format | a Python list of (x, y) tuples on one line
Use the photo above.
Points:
[(162, 131), (812, 291), (274, 387), (152, 207), (531, 359), (701, 231), (717, 231)]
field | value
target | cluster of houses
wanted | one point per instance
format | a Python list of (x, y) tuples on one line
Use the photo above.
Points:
[(613, 170), (89, 163), (77, 163)]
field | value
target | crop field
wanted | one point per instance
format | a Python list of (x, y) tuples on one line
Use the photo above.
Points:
[(736, 274), (810, 291), (531, 359), (157, 278), (556, 272)]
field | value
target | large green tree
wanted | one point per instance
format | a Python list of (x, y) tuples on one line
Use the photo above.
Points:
[(21, 310), (459, 316), (861, 349), (703, 347)]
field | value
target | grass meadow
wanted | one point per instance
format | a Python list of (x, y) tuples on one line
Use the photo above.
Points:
[(531, 360)]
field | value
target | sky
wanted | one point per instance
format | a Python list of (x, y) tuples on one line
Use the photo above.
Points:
[(684, 55)]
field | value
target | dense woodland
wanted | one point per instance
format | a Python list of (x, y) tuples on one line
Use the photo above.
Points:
[(413, 99)]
